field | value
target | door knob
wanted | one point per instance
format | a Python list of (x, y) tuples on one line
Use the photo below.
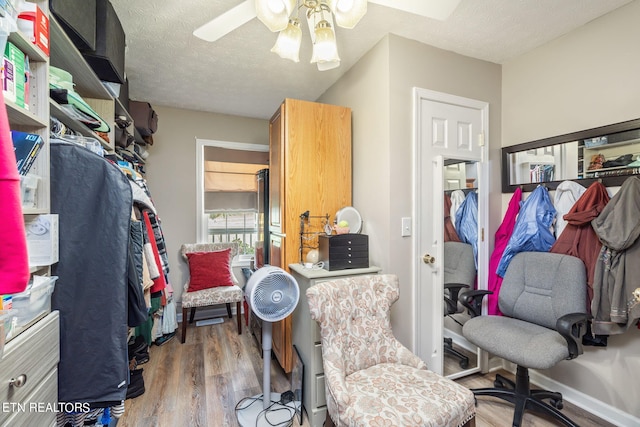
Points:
[(428, 259)]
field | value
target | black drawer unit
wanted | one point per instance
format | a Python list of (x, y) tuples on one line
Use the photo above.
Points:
[(344, 251)]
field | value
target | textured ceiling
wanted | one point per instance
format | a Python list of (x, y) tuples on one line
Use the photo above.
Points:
[(167, 65)]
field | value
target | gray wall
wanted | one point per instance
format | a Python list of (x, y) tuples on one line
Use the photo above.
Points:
[(171, 171), (380, 91), (585, 79)]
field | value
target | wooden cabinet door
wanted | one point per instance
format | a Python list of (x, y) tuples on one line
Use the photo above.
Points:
[(276, 251), (310, 170), (276, 170), (281, 343), (281, 331)]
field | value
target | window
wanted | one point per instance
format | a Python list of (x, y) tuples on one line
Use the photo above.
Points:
[(241, 227), (227, 191)]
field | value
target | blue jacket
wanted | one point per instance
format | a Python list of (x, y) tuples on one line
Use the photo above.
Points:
[(467, 222), (532, 232)]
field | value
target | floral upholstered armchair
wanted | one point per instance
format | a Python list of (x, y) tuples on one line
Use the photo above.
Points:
[(371, 379)]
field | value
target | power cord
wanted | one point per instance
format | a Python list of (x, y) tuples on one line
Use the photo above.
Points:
[(317, 266), (270, 410)]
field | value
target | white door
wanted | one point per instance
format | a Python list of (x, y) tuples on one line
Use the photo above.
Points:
[(447, 127)]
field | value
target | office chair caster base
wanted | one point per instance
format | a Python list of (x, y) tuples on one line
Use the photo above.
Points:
[(448, 349), (525, 399), (557, 404)]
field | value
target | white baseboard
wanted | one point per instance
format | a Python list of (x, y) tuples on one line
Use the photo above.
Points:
[(590, 404), (586, 402)]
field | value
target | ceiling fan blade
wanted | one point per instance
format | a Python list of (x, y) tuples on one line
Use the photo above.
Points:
[(227, 22), (434, 9)]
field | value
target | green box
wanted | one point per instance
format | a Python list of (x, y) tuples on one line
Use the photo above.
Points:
[(16, 56)]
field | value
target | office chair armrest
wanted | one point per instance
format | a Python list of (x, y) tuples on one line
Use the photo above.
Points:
[(572, 327), (454, 289), (472, 300)]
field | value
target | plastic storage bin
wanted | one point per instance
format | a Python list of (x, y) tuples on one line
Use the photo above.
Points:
[(36, 300), (29, 189)]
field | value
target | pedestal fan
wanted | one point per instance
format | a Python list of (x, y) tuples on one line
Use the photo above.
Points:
[(272, 294)]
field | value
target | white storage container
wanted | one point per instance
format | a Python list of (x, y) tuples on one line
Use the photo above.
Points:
[(34, 301)]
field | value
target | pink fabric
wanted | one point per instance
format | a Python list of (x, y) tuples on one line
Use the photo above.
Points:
[(14, 261), (501, 239)]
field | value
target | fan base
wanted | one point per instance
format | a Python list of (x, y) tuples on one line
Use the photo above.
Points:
[(253, 415)]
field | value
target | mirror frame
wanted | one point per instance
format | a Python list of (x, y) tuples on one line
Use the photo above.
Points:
[(483, 261), (611, 181)]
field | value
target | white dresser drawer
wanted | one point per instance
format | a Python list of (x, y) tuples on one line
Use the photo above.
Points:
[(32, 356), (38, 409), (320, 397), (317, 359)]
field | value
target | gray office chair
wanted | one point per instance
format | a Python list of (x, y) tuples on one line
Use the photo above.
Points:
[(459, 277), (543, 301)]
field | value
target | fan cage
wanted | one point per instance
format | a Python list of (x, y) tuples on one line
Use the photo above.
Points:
[(274, 296)]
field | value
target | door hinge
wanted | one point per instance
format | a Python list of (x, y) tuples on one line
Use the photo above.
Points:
[(481, 139)]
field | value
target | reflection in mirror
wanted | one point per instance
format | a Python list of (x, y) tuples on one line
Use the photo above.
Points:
[(608, 153), (553, 163), (460, 263)]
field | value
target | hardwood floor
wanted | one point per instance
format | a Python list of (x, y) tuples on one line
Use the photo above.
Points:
[(198, 384)]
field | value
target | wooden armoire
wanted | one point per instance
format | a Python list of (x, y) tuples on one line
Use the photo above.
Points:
[(310, 170)]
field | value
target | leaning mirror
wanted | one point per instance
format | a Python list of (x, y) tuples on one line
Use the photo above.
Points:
[(609, 153), (460, 263)]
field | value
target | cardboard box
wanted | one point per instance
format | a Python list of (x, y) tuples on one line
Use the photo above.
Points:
[(34, 23), (42, 239), (41, 28), (17, 79), (8, 80), (26, 147)]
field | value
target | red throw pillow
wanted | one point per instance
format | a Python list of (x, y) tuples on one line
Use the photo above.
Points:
[(209, 269)]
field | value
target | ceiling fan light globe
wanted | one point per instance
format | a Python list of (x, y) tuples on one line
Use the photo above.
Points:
[(348, 12), (325, 48), (288, 43), (327, 65), (275, 13)]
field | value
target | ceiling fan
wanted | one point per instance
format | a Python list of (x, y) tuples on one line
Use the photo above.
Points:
[(282, 16)]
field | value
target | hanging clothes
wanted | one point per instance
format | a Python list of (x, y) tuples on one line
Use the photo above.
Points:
[(14, 262), (532, 231), (93, 200), (616, 288), (159, 283), (457, 197), (162, 323), (450, 234), (467, 222), (567, 194), (579, 239), (501, 239), (137, 309)]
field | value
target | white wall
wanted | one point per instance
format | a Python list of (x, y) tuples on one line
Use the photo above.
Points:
[(365, 89), (171, 172), (379, 89), (585, 79)]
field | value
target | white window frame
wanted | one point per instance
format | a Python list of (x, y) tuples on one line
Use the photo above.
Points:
[(202, 218)]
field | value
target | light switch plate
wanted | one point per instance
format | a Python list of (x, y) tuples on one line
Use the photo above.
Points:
[(406, 227)]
